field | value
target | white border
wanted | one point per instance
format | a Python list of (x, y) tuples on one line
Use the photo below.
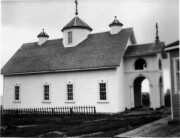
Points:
[(66, 100), (98, 95)]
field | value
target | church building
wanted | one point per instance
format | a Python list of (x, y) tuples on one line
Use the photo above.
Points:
[(102, 69)]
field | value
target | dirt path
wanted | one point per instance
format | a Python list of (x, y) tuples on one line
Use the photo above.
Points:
[(159, 128)]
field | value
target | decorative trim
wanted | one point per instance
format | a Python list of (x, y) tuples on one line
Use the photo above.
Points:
[(70, 102), (79, 27), (65, 70), (46, 101), (17, 101), (103, 102), (142, 71)]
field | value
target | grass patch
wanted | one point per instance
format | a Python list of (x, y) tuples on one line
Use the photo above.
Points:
[(77, 125)]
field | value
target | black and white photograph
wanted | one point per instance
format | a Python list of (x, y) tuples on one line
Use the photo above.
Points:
[(89, 68)]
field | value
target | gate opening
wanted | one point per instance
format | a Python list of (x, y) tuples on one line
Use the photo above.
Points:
[(141, 92)]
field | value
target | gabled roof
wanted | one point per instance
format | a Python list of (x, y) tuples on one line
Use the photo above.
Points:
[(43, 34), (76, 22), (144, 49), (97, 51)]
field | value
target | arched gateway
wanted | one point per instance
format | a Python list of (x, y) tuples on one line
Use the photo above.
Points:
[(140, 98), (138, 67)]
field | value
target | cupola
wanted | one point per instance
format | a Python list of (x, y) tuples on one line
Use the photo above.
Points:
[(43, 37), (115, 26), (75, 31)]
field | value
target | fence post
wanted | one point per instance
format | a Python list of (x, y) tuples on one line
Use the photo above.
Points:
[(1, 110), (94, 110), (52, 111), (16, 112), (71, 110)]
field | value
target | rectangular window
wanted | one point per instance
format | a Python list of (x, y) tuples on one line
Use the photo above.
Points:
[(69, 37), (46, 92), (17, 91), (69, 92), (176, 76), (102, 90)]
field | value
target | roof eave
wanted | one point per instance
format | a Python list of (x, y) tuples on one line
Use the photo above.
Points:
[(143, 54), (116, 24), (171, 48), (58, 71), (81, 27)]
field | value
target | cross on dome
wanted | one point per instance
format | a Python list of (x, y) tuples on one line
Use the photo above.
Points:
[(76, 2)]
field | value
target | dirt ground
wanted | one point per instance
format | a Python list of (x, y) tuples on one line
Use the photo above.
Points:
[(164, 127), (99, 125)]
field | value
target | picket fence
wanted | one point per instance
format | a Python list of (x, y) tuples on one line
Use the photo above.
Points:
[(68, 110)]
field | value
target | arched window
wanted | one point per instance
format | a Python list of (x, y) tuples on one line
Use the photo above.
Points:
[(140, 64), (160, 65)]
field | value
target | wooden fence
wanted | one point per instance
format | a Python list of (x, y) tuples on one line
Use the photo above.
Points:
[(48, 111)]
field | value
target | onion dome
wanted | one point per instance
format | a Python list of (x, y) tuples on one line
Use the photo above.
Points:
[(43, 34), (76, 22), (116, 23)]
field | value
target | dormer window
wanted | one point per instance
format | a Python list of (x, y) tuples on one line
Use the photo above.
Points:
[(70, 37)]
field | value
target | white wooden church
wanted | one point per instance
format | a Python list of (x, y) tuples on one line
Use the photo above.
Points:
[(102, 69)]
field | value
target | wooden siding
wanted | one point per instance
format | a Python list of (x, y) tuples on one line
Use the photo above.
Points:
[(86, 90), (176, 106), (173, 54), (175, 95)]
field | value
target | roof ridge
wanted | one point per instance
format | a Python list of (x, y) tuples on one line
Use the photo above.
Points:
[(109, 31), (75, 21), (146, 43), (47, 40)]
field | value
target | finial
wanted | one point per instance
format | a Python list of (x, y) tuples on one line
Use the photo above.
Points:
[(76, 7), (115, 17), (43, 30), (157, 37)]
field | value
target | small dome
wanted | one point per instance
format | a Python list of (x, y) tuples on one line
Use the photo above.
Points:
[(116, 22), (76, 22), (43, 34)]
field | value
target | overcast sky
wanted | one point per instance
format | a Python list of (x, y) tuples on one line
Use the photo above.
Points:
[(23, 20)]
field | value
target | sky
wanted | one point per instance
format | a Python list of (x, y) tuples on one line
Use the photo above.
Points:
[(23, 20)]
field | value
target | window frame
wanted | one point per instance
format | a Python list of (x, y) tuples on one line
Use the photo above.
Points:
[(73, 92), (69, 37), (14, 93), (99, 93), (43, 96), (175, 75)]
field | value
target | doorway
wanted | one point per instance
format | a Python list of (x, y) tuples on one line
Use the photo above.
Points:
[(141, 92)]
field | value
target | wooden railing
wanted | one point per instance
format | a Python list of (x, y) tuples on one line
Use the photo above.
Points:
[(48, 111)]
